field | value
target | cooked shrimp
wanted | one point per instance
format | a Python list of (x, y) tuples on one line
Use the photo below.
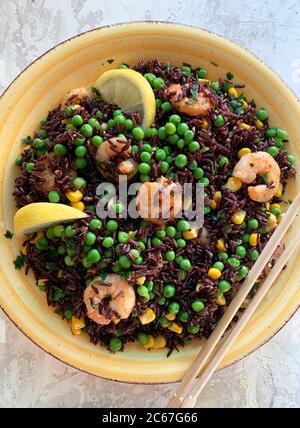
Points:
[(160, 201), (259, 163), (188, 105), (116, 150), (120, 292), (75, 96)]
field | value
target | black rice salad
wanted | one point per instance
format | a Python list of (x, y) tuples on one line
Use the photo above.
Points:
[(160, 283)]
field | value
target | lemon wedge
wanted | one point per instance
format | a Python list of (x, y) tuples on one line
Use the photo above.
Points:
[(40, 215), (130, 91)]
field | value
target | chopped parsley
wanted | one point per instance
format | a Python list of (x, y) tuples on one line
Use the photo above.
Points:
[(26, 140), (95, 91), (229, 75), (68, 314), (8, 234), (20, 260), (194, 92), (58, 295), (214, 64)]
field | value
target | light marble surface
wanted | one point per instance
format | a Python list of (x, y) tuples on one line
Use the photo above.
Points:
[(270, 377)]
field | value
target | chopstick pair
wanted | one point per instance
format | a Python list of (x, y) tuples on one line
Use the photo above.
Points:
[(187, 392)]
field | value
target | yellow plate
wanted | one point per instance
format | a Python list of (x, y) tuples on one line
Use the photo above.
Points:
[(78, 62)]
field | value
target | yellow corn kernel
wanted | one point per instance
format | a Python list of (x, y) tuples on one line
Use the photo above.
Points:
[(245, 105), (39, 235), (253, 239), (234, 184), (76, 325), (148, 316), (190, 234), (220, 301), (66, 121), (233, 92), (24, 250), (159, 342), (204, 81), (259, 124), (275, 206), (267, 205), (59, 274), (213, 205), (176, 328), (238, 217), (41, 282), (150, 342), (74, 196), (170, 316), (245, 126), (78, 205), (214, 273), (115, 320), (205, 124), (217, 196), (140, 280), (131, 234), (279, 191), (243, 152), (221, 245), (272, 221)]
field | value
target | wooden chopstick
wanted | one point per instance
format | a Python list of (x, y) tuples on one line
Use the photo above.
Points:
[(190, 399), (184, 387)]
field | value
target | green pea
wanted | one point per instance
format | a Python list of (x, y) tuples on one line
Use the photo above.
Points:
[(185, 265), (135, 148), (158, 103), (243, 272), (183, 316), (94, 123), (178, 259), (156, 242), (161, 233), (202, 73), (142, 338), (174, 307), (54, 196), (171, 231), (30, 166), (120, 120), (170, 256), (282, 134), (223, 161), (245, 238), (149, 285), (80, 151), (224, 286), (19, 160), (70, 110), (192, 165), (188, 136), (240, 251), (50, 233), (182, 225), (271, 133), (77, 120), (180, 144), (158, 83), (194, 146), (193, 329), (161, 301), (161, 133), (253, 256), (123, 237), (79, 182), (145, 157), (169, 290), (79, 141), (278, 143), (61, 250), (197, 305), (234, 262), (90, 238), (198, 173), (219, 121), (166, 106), (125, 262), (68, 261), (261, 114), (142, 245), (38, 143), (99, 114), (181, 161), (42, 244), (291, 158), (112, 225), (144, 168), (170, 128), (223, 256), (160, 155), (86, 130), (108, 242), (115, 344), (215, 86), (129, 125), (252, 224), (273, 151), (219, 266), (175, 118), (204, 181), (80, 163), (181, 243), (97, 141), (69, 231), (150, 132), (144, 178)]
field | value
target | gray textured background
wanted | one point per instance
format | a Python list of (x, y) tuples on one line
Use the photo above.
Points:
[(271, 29)]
